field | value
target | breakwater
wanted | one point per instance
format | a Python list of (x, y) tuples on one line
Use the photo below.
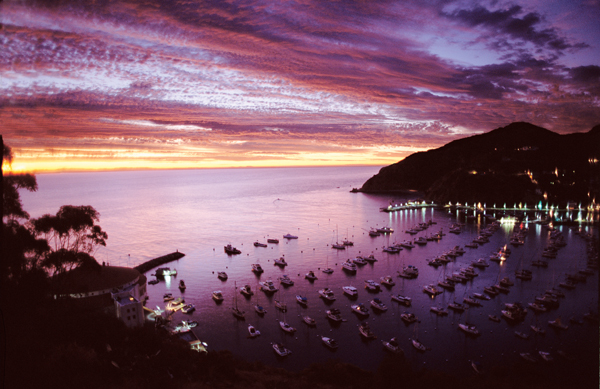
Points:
[(144, 267)]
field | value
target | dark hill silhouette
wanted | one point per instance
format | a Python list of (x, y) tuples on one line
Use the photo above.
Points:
[(519, 162)]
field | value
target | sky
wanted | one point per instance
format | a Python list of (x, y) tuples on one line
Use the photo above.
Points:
[(102, 85)]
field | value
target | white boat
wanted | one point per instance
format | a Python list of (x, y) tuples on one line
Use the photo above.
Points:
[(349, 266), (286, 327), (359, 261), (280, 262), (253, 331), (494, 318), (392, 345), (258, 244), (471, 301), (537, 307), (408, 317), (257, 268), (374, 233), (521, 335), (558, 324), (391, 249), (421, 241), (290, 236), (404, 300), (222, 275), (439, 311), (538, 330), (350, 291), (338, 246), (418, 345), (347, 242), (301, 300), (372, 286), (309, 320), (327, 294), (327, 271), (281, 350), (546, 356), (189, 308), (371, 258), (168, 297), (272, 240), (260, 309), (409, 271), (329, 342), (281, 306), (285, 280), (407, 244), (469, 329), (431, 290), (388, 281), (360, 309), (480, 263), (458, 307), (310, 276), (217, 295), (268, 287), (385, 230), (334, 314), (477, 367), (376, 303), (246, 290), (365, 331)]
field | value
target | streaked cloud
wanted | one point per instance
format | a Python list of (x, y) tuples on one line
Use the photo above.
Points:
[(213, 83)]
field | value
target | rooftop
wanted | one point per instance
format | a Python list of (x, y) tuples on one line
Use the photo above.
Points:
[(84, 280)]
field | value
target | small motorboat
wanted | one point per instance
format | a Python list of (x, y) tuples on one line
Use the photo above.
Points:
[(256, 268), (222, 276), (457, 307), (286, 327), (439, 311), (469, 329), (350, 291), (246, 290), (338, 246), (388, 281), (309, 320), (477, 367), (494, 318), (349, 266), (327, 294), (260, 309), (310, 276), (253, 331), (408, 317), (409, 271), (546, 356), (153, 282), (392, 345), (360, 261), (301, 300), (182, 286), (372, 286), (217, 295), (538, 330), (481, 296), (377, 304), (431, 290), (521, 335), (230, 250), (558, 324), (404, 300), (268, 286), (272, 240), (371, 259), (334, 314), (285, 280), (280, 349), (189, 308), (471, 301), (327, 271), (280, 262), (168, 297), (360, 309), (365, 331), (290, 236), (238, 313), (418, 345), (258, 244), (329, 342), (281, 306)]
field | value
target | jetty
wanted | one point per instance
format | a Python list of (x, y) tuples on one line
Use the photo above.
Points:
[(151, 264)]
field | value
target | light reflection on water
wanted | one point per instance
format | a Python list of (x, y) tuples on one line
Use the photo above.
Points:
[(148, 214)]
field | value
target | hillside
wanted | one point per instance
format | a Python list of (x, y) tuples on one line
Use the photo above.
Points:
[(519, 162)]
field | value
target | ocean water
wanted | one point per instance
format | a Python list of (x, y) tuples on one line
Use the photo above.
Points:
[(151, 213)]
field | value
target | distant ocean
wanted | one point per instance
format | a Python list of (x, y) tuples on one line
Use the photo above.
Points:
[(151, 213)]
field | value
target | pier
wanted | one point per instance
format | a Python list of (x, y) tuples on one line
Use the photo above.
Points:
[(144, 267)]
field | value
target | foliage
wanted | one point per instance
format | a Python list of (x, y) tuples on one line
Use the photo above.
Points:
[(72, 236)]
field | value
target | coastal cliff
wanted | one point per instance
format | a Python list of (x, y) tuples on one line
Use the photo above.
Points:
[(519, 162)]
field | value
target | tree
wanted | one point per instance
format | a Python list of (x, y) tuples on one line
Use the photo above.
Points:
[(21, 250), (72, 235)]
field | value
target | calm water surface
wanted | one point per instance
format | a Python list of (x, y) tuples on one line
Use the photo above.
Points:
[(151, 213)]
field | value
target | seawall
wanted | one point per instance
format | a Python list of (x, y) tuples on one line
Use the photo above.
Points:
[(144, 267)]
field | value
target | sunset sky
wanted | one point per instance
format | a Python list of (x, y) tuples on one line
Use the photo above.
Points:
[(194, 84)]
